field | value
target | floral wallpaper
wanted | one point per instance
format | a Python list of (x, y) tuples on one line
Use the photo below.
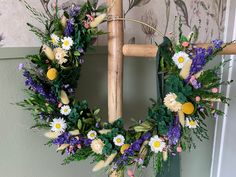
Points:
[(203, 16), (1, 36)]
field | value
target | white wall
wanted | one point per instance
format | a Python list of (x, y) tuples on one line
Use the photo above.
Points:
[(224, 159)]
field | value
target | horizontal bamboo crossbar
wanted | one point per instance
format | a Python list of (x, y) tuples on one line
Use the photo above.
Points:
[(137, 50)]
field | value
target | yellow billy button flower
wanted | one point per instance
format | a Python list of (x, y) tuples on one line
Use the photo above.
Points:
[(188, 108), (52, 74), (124, 147), (97, 20)]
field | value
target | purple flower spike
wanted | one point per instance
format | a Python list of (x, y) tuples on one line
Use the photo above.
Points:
[(62, 139), (136, 146), (21, 66), (174, 133), (73, 12), (87, 142), (217, 43), (37, 87), (146, 136), (69, 27)]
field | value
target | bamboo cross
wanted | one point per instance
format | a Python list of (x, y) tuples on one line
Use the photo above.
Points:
[(117, 50)]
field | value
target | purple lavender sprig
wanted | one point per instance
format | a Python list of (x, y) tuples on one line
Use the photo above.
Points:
[(38, 88), (69, 27), (134, 147), (201, 55)]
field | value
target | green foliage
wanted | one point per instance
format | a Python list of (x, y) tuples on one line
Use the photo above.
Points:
[(161, 117), (174, 84), (81, 154)]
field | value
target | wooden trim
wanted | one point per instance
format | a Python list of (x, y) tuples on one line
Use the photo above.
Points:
[(135, 50)]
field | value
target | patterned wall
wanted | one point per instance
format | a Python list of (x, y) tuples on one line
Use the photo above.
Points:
[(205, 16)]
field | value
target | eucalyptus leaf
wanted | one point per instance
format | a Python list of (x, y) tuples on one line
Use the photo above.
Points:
[(96, 112), (79, 124)]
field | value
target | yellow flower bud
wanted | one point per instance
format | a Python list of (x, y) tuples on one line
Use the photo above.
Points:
[(97, 20), (63, 21), (52, 74), (181, 118), (212, 99), (184, 73), (165, 155), (48, 52), (52, 135), (104, 131), (62, 147), (198, 74), (123, 148), (74, 132), (109, 159), (187, 108), (98, 166), (64, 97)]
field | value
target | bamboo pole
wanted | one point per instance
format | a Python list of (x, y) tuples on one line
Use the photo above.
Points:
[(115, 61), (115, 64), (134, 50)]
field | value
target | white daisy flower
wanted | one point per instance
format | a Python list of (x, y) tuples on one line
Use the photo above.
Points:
[(55, 39), (67, 42), (157, 144), (119, 140), (65, 110), (180, 59), (58, 125), (191, 123), (92, 135)]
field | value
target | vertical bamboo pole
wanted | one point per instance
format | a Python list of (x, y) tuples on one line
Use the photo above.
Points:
[(115, 61), (115, 64)]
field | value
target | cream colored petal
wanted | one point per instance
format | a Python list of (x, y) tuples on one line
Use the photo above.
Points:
[(64, 97), (48, 52), (52, 135), (97, 20), (198, 74), (143, 150), (98, 166), (165, 155), (104, 131), (184, 73), (74, 132), (62, 147), (212, 99), (109, 159), (181, 118), (63, 21)]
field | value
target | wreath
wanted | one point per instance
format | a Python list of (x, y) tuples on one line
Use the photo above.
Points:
[(186, 95)]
